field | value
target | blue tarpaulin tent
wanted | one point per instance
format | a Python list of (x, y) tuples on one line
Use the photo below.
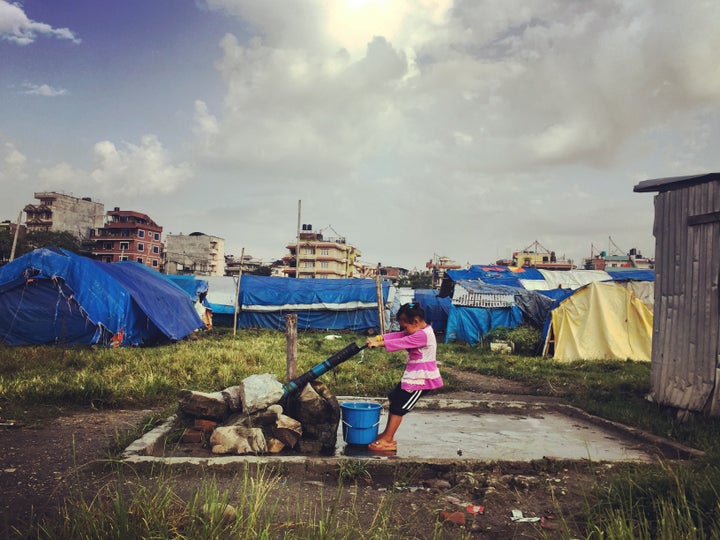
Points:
[(190, 284), (485, 297), (326, 304), (436, 308), (54, 296)]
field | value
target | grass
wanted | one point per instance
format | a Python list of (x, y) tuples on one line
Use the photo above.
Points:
[(148, 377), (645, 501)]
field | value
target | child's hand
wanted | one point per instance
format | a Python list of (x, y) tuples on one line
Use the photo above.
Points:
[(376, 341)]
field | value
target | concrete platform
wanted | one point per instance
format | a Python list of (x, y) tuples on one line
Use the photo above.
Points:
[(446, 431)]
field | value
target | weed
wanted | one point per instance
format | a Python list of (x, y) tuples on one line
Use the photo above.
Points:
[(352, 470)]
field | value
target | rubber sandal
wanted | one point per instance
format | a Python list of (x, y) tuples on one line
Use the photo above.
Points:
[(383, 446)]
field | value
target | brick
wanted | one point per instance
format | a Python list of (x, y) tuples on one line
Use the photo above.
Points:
[(454, 517), (191, 436), (206, 426)]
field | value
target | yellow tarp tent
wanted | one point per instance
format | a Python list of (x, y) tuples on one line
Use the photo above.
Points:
[(601, 321)]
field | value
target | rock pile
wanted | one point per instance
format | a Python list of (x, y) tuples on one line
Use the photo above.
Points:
[(255, 417)]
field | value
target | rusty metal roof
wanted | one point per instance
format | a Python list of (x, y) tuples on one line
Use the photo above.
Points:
[(674, 182)]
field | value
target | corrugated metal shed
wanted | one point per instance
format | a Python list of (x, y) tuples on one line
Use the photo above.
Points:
[(685, 369)]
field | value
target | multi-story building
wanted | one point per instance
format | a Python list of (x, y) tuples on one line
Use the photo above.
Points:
[(234, 265), (439, 265), (129, 236), (195, 253), (58, 212), (319, 257)]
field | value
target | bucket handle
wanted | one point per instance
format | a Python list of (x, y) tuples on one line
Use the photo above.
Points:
[(354, 427)]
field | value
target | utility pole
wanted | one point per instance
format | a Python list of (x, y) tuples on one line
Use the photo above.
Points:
[(297, 245), (237, 291), (15, 238)]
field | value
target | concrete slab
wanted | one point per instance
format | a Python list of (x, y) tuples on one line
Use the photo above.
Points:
[(508, 437), (452, 431)]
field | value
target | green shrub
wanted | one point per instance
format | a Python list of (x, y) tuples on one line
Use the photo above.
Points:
[(527, 339)]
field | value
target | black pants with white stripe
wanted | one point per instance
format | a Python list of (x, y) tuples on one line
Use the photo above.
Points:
[(402, 401)]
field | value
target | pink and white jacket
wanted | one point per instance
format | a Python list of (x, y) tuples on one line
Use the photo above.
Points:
[(421, 371)]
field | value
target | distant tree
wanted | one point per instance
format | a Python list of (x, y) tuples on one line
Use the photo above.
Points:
[(416, 280), (41, 239), (6, 241), (262, 271)]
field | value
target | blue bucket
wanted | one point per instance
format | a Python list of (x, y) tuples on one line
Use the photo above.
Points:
[(360, 421)]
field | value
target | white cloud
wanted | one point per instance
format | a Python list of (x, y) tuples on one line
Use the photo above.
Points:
[(133, 170), (44, 90), (125, 175), (12, 166), (62, 177), (16, 27)]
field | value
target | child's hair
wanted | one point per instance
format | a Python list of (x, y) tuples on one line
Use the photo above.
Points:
[(411, 310)]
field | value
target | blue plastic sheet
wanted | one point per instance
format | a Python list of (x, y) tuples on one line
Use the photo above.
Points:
[(471, 324), (45, 294)]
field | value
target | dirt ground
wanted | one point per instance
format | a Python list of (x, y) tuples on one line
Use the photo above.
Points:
[(42, 463)]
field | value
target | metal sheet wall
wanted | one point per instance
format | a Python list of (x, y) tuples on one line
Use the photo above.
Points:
[(685, 360)]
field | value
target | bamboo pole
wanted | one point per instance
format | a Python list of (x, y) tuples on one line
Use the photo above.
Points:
[(237, 291), (291, 354), (380, 303), (15, 238)]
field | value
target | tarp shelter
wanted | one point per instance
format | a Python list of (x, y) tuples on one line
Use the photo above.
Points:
[(219, 292), (436, 309), (487, 296), (477, 308), (222, 292), (601, 321), (325, 304), (52, 296), (190, 284)]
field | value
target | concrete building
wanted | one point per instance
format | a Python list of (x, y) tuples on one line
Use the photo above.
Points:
[(320, 257), (129, 236), (248, 265), (58, 212), (438, 266), (195, 253)]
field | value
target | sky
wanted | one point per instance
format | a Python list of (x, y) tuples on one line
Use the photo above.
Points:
[(413, 128)]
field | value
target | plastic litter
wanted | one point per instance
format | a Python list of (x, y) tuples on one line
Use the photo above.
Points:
[(517, 517), (475, 509)]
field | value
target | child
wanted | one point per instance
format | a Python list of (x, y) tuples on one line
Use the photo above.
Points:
[(421, 371)]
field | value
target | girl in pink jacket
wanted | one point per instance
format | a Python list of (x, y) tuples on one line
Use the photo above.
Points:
[(421, 371)]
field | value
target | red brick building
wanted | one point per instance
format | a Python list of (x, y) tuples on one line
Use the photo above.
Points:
[(129, 236)]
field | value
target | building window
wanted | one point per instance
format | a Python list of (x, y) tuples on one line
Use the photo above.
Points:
[(123, 258), (141, 246), (324, 251), (324, 264), (107, 245), (156, 249), (124, 246), (124, 232), (156, 236), (307, 264), (308, 251), (155, 263), (108, 258), (141, 233), (140, 260)]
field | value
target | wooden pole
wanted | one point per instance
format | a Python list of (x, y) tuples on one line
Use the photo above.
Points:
[(291, 345), (297, 240), (237, 291), (380, 303), (15, 238)]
